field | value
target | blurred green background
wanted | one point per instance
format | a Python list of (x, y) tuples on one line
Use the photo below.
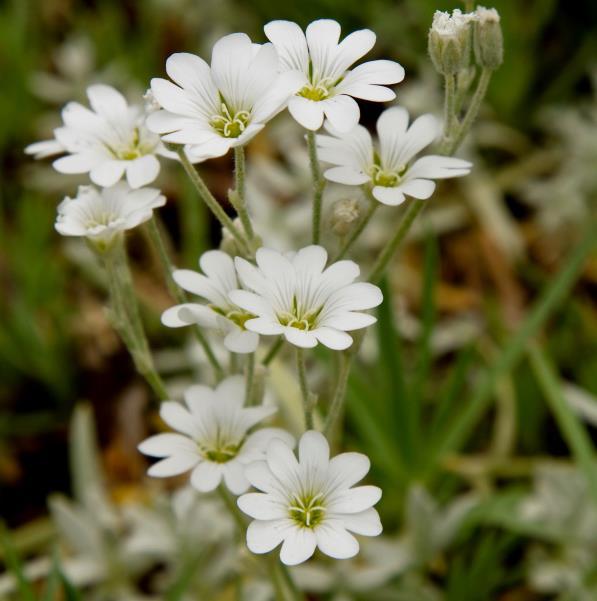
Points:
[(536, 148)]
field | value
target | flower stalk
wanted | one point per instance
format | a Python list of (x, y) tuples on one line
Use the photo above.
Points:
[(237, 196), (308, 403), (318, 186)]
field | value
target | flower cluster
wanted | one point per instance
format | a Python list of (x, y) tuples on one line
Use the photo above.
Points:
[(201, 112)]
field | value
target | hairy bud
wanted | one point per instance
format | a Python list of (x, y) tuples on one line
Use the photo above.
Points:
[(344, 214), (488, 39), (449, 41)]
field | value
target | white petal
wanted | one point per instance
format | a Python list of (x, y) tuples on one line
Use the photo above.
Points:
[(231, 392), (178, 418), (106, 174), (335, 541), (354, 500), (299, 544), (438, 167), (249, 301), (107, 102), (262, 478), (366, 80), (348, 321), (311, 259), (366, 523), (418, 188), (322, 38), (342, 111), (332, 338), (192, 73), (263, 536), (200, 399), (290, 42), (164, 445), (173, 466), (353, 47), (214, 290), (241, 341), (300, 338), (420, 134), (265, 326), (77, 163), (354, 297), (46, 148), (187, 314), (262, 506), (256, 444), (314, 450), (206, 476), (347, 469), (281, 460), (215, 146), (142, 171), (347, 176), (388, 196), (308, 113), (234, 477)]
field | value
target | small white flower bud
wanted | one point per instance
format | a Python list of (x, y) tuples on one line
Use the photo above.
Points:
[(488, 39), (449, 41), (344, 215)]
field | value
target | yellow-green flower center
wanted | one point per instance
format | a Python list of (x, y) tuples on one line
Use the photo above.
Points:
[(136, 148), (219, 452), (297, 319), (314, 92), (307, 511), (228, 124), (388, 178), (235, 315)]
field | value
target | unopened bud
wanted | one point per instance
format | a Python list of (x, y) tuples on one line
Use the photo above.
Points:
[(449, 41), (488, 39), (344, 215)]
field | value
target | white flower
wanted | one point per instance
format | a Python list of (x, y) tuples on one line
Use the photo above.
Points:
[(213, 439), (388, 167), (105, 141), (215, 108), (309, 503), (327, 86), (101, 215), (451, 25), (220, 314), (293, 294)]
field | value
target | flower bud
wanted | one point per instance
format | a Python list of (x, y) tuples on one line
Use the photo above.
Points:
[(344, 214), (488, 40), (449, 41)]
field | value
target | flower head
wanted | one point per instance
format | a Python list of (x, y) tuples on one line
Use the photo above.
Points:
[(295, 295), (213, 437), (449, 41), (214, 284), (102, 215), (328, 87), (214, 108), (106, 141), (388, 169), (309, 503)]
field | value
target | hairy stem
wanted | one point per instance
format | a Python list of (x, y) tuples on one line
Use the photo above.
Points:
[(237, 198), (318, 186), (307, 400)]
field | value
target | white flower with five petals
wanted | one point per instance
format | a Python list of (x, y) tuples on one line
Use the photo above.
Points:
[(387, 168), (214, 284), (294, 294), (102, 215), (212, 437), (106, 141), (309, 503), (214, 108), (328, 87)]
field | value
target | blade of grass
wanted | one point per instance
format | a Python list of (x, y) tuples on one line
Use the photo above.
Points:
[(570, 426), (14, 565), (464, 422)]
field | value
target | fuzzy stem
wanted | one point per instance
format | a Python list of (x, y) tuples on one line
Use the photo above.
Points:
[(156, 239), (211, 202), (318, 185), (273, 351), (302, 376), (339, 394), (238, 196), (450, 117)]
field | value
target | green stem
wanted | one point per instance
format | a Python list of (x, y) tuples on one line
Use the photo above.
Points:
[(154, 233), (450, 118), (552, 295), (339, 394), (318, 185), (273, 351), (413, 209), (211, 202), (249, 379), (358, 230), (232, 507), (302, 376), (127, 318), (471, 114), (238, 197), (572, 429)]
